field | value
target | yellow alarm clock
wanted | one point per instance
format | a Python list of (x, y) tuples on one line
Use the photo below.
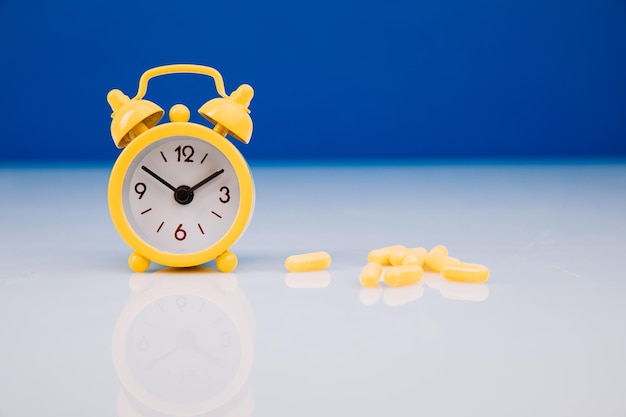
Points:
[(181, 194)]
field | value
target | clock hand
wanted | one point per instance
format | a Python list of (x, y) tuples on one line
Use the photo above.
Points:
[(161, 358), (204, 353), (161, 180), (207, 179)]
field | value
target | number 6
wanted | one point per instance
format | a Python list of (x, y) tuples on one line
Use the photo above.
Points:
[(181, 231)]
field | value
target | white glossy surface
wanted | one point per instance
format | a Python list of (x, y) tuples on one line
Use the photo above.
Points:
[(546, 335)]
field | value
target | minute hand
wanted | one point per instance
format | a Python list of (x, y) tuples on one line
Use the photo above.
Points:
[(159, 179), (207, 179)]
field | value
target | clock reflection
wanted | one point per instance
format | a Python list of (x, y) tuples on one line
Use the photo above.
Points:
[(183, 345)]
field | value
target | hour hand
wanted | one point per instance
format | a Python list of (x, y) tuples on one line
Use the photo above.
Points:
[(207, 179), (159, 179)]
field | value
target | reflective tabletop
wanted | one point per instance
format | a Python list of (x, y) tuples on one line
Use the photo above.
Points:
[(545, 335)]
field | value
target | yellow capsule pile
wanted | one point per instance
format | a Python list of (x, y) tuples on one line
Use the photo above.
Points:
[(405, 266)]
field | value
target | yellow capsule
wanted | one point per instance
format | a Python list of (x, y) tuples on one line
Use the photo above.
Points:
[(371, 274), (413, 260), (437, 263), (382, 255), (436, 257), (439, 250), (448, 260), (464, 272), (397, 276), (305, 262), (434, 262), (397, 256), (420, 252)]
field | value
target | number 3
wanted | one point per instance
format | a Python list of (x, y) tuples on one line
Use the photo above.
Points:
[(226, 195)]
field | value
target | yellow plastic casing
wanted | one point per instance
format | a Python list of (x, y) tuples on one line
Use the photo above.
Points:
[(226, 262), (115, 192)]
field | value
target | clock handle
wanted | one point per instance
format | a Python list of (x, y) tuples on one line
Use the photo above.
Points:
[(180, 69)]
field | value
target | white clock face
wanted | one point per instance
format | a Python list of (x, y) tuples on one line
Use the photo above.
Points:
[(181, 194), (183, 349)]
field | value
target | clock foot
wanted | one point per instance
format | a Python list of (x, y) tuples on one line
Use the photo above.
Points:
[(226, 262), (138, 263)]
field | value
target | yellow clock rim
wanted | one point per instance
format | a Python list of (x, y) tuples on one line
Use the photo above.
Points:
[(116, 182)]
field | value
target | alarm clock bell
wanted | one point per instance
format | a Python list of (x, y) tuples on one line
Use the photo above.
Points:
[(230, 115), (131, 117)]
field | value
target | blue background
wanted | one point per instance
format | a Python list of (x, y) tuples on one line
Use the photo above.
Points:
[(333, 79)]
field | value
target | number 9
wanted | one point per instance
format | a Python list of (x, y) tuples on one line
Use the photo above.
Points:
[(140, 188)]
